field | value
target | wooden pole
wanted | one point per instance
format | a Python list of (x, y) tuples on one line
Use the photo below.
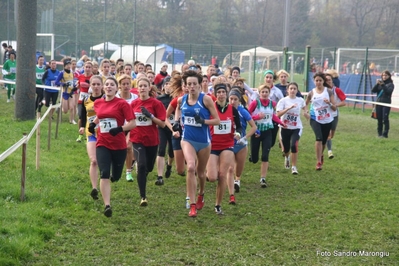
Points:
[(58, 120), (23, 175), (49, 131), (38, 143)]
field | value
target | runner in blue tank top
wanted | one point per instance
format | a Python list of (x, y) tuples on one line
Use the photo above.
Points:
[(195, 110)]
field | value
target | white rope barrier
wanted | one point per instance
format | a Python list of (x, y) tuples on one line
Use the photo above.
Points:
[(13, 148), (37, 85)]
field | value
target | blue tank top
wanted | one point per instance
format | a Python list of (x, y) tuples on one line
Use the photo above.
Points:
[(50, 80), (191, 130)]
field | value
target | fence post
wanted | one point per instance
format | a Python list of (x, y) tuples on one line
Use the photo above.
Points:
[(231, 55), (23, 174), (306, 68), (366, 75), (49, 132), (58, 121), (38, 143), (254, 66), (285, 58)]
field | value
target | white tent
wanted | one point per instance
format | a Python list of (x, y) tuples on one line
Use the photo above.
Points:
[(265, 58), (109, 46), (145, 54)]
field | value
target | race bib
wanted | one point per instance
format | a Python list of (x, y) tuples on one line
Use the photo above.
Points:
[(83, 95), (291, 120), (223, 128), (91, 118), (190, 121), (39, 76), (13, 70), (322, 114), (106, 124), (172, 119), (266, 119), (142, 120)]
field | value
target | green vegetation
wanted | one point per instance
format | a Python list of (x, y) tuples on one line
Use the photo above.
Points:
[(351, 205)]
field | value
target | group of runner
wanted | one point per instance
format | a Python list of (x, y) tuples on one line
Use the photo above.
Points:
[(133, 117)]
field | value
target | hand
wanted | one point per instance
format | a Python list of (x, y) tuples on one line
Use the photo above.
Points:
[(145, 112), (176, 127), (91, 127), (237, 135), (199, 120), (115, 131)]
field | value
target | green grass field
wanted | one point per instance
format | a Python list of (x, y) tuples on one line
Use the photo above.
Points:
[(309, 219)]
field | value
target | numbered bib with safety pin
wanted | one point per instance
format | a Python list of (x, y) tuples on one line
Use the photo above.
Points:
[(91, 118), (142, 120), (83, 95), (106, 124), (291, 119), (322, 113), (265, 120), (172, 119), (223, 128), (39, 75), (13, 70), (190, 121)]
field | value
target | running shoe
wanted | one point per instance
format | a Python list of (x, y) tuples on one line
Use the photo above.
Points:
[(330, 155), (159, 181), (80, 138), (144, 202), (73, 122), (294, 170), (218, 210), (319, 166), (287, 162), (187, 202), (263, 183), (232, 200), (94, 194), (129, 177), (108, 211), (168, 171), (8, 100), (237, 186), (193, 210), (200, 202)]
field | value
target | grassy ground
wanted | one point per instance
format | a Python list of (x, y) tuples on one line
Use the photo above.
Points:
[(349, 206)]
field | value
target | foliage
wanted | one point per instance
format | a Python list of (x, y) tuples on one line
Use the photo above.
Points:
[(357, 23), (348, 206)]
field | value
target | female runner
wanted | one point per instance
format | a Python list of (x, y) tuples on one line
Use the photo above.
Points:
[(112, 113), (88, 115), (149, 113), (195, 109), (221, 161)]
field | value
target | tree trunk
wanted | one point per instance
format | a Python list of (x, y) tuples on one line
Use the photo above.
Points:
[(26, 60)]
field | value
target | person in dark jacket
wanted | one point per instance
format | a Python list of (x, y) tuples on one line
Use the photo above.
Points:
[(384, 89)]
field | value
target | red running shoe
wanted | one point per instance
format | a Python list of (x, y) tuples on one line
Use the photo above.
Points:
[(193, 211), (232, 200), (200, 202), (318, 166)]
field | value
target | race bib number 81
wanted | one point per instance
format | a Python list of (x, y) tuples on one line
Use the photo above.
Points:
[(223, 128)]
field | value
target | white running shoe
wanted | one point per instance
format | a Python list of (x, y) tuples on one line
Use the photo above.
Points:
[(294, 170), (8, 100), (187, 202), (287, 162)]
